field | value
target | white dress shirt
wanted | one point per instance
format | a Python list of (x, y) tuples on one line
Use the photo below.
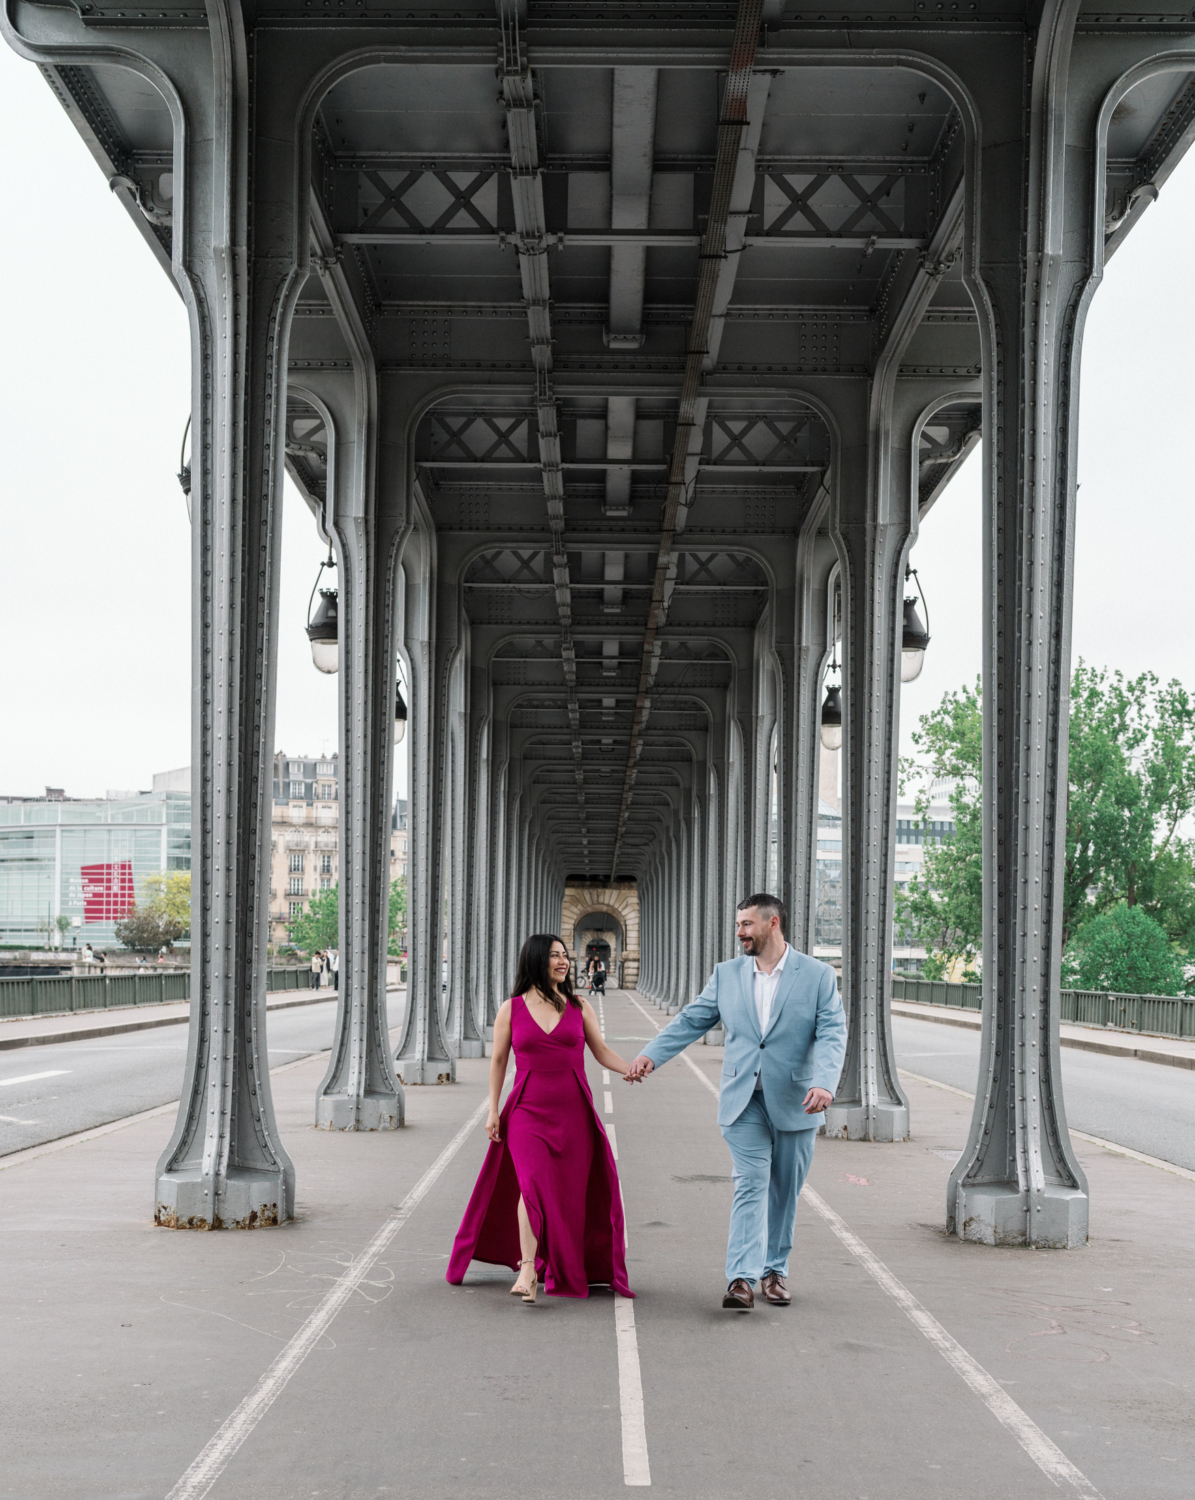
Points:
[(765, 995)]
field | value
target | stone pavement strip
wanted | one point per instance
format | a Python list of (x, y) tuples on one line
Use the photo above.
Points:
[(129, 1347)]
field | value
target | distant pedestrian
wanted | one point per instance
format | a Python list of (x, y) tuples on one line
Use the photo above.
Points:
[(87, 954), (101, 958), (597, 980), (334, 966), (317, 969)]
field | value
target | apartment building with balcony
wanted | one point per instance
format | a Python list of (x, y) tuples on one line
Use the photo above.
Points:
[(305, 836)]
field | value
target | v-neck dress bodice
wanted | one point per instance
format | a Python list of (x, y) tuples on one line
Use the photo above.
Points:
[(555, 1153)]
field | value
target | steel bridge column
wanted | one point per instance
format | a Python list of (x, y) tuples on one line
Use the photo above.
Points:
[(1017, 1181), (225, 1166), (423, 1054), (871, 527), (360, 1091), (816, 559)]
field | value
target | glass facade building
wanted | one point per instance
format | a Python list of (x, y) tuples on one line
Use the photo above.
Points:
[(82, 860)]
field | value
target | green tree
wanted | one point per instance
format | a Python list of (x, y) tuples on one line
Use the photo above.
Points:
[(942, 908), (398, 915), (1131, 786), (145, 929), (1123, 949), (318, 926), (169, 893)]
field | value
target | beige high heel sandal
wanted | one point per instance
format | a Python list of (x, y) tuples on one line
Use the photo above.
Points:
[(521, 1291)]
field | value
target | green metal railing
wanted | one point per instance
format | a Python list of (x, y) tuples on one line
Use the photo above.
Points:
[(1161, 1015), (63, 994)]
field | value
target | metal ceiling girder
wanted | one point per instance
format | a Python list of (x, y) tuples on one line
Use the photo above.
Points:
[(518, 92), (715, 278)]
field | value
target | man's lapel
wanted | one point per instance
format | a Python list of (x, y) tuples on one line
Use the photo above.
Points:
[(748, 978), (788, 982)]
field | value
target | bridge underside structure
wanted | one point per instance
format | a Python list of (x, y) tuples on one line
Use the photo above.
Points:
[(619, 351)]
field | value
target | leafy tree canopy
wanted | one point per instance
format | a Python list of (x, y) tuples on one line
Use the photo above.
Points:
[(1123, 949), (319, 925), (398, 915), (145, 929), (169, 894), (1131, 788)]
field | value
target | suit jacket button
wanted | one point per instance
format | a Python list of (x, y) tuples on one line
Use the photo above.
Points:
[(761, 1045)]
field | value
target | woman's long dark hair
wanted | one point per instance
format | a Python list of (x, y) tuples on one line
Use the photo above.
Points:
[(534, 973)]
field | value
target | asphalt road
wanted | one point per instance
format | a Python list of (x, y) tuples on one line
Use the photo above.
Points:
[(47, 1092), (1146, 1106)]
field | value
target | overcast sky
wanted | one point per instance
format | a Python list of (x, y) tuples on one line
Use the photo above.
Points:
[(94, 394)]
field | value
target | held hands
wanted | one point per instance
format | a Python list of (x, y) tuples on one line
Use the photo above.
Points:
[(816, 1100), (639, 1069), (491, 1126)]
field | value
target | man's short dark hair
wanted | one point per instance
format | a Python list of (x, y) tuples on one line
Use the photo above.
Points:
[(770, 906)]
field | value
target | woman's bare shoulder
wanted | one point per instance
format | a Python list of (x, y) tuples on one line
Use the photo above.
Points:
[(504, 1010)]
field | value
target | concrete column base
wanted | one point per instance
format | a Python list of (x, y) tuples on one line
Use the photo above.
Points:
[(998, 1213), (253, 1198), (849, 1122), (715, 1037), (369, 1112), (433, 1070), (471, 1047)]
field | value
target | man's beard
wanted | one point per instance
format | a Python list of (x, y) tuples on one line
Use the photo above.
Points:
[(748, 944)]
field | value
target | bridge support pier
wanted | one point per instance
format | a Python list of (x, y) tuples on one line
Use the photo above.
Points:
[(360, 1090), (1031, 272)]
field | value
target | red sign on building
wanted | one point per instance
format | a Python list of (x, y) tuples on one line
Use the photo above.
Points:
[(107, 891)]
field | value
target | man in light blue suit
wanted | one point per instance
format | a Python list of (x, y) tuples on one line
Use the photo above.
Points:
[(785, 1043)]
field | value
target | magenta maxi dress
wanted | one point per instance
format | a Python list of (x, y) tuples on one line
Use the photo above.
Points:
[(554, 1152)]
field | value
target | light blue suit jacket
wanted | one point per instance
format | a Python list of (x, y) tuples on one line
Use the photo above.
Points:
[(803, 1047)]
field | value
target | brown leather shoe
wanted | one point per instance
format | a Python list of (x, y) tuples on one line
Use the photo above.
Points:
[(775, 1290), (739, 1296)]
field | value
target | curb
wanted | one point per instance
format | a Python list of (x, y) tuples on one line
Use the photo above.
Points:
[(913, 1012), (46, 1039)]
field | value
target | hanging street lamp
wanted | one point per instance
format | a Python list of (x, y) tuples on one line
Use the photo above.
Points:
[(400, 714), (914, 636), (832, 719), (323, 628)]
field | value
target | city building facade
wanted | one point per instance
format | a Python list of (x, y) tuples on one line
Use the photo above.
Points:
[(72, 867), (305, 836)]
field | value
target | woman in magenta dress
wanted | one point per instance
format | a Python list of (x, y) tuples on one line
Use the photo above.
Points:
[(547, 1202)]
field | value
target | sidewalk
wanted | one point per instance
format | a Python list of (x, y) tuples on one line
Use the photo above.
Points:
[(1175, 1052), (78, 1026), (130, 1347)]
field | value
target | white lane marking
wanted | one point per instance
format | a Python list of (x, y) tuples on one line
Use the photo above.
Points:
[(635, 1466), (605, 1075), (609, 1101), (1094, 1140), (33, 1077), (210, 1464), (1049, 1458), (12, 1120), (1045, 1453)]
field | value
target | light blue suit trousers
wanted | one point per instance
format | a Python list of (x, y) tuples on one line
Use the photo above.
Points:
[(770, 1167)]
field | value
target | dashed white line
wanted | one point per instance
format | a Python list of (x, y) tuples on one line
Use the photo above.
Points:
[(636, 1469), (635, 1466), (33, 1077), (210, 1464), (1046, 1454)]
